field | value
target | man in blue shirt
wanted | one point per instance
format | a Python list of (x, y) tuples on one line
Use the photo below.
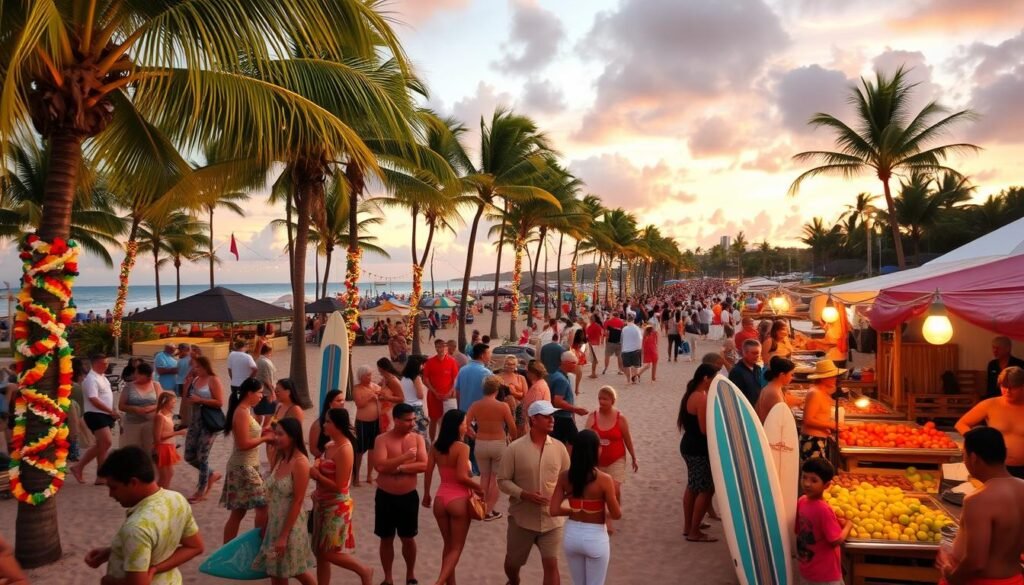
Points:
[(184, 365), (551, 354), (469, 387), (746, 374), (166, 367), (562, 398)]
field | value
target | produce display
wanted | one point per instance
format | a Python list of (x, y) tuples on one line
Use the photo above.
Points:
[(886, 513), (911, 480), (872, 407), (885, 435)]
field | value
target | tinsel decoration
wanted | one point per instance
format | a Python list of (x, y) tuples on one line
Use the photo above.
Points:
[(131, 252), (352, 273), (414, 301)]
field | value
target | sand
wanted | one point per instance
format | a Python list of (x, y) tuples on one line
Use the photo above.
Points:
[(648, 547)]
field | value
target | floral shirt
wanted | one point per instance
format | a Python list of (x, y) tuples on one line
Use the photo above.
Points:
[(150, 534)]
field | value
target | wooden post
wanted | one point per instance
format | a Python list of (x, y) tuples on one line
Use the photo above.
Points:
[(897, 367)]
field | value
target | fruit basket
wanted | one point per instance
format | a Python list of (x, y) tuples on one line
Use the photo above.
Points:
[(911, 479), (889, 517)]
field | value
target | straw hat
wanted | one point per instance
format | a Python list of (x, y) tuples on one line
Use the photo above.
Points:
[(826, 369)]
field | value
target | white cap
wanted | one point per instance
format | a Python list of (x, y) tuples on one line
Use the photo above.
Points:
[(542, 407)]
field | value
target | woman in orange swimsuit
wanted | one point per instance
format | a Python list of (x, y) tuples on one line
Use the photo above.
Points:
[(591, 502), (451, 510)]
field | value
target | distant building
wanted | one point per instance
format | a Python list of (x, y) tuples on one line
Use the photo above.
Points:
[(724, 242)]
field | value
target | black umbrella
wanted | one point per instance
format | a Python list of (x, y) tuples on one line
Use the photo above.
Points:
[(217, 305), (325, 305)]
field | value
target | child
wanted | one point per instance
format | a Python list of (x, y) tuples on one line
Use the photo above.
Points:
[(818, 532), (165, 451)]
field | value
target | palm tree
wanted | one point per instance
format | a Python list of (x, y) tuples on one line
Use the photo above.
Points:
[(183, 242), (918, 208), (820, 239), (738, 249), (589, 208), (886, 139), (169, 238), (864, 210), (230, 200)]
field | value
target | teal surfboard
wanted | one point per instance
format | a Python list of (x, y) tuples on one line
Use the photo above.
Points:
[(754, 514), (334, 357), (234, 559)]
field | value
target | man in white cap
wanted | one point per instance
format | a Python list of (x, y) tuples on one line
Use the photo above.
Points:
[(529, 470)]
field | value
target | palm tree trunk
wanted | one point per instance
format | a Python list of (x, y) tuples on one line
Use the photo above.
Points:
[(533, 283), (417, 276), (464, 301), (131, 250), (327, 269), (177, 279), (38, 536), (497, 273), (300, 245), (417, 289), (291, 240), (156, 269), (573, 268), (868, 235), (316, 275), (210, 208), (894, 225), (547, 299), (517, 278), (558, 275)]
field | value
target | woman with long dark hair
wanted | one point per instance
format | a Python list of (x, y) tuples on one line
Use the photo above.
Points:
[(317, 438), (692, 421), (779, 375), (243, 485), (286, 407), (391, 392), (285, 552), (414, 391), (451, 509), (592, 501), (333, 533), (206, 391)]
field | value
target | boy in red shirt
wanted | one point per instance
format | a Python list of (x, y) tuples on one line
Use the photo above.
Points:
[(819, 533)]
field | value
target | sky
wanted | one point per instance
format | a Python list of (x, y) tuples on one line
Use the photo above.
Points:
[(684, 112)]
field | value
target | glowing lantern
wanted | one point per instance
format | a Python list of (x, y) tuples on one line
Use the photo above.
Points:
[(780, 304), (830, 314), (937, 328)]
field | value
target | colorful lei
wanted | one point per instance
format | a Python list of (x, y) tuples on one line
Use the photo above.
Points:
[(414, 300), (352, 273)]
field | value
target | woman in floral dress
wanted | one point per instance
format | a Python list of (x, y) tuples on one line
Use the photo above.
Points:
[(243, 486), (285, 552)]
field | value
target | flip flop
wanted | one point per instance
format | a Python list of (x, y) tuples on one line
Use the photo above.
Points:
[(703, 538)]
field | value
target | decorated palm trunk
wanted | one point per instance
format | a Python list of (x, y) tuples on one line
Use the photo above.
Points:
[(517, 278), (40, 339), (352, 273), (597, 283), (629, 279), (131, 251), (414, 300), (608, 294), (575, 292)]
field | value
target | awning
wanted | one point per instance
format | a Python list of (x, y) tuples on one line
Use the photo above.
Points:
[(217, 305)]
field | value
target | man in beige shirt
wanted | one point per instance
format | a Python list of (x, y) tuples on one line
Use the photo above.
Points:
[(528, 473)]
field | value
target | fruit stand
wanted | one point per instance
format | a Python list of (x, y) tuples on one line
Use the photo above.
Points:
[(866, 446)]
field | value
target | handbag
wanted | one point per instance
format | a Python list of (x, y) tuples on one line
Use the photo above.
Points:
[(213, 418), (477, 508)]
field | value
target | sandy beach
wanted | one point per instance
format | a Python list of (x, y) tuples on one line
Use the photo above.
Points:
[(648, 547)]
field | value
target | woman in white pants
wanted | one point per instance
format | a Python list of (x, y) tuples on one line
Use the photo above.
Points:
[(591, 501)]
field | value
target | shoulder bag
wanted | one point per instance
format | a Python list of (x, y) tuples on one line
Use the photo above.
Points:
[(213, 418)]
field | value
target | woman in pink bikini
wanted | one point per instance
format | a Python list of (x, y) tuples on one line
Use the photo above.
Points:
[(451, 509), (612, 429)]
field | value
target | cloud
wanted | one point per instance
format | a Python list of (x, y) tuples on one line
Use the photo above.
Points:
[(805, 91), (662, 55), (533, 41), (543, 96), (997, 90), (620, 183), (952, 15), (420, 11), (713, 136)]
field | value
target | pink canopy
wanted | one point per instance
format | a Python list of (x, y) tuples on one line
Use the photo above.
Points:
[(989, 295)]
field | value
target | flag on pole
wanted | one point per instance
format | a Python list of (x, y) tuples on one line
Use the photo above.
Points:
[(234, 247)]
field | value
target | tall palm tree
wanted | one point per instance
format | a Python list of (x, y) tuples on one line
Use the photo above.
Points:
[(918, 208), (230, 200), (886, 139), (864, 210), (821, 239), (590, 208), (738, 249), (183, 241), (168, 238)]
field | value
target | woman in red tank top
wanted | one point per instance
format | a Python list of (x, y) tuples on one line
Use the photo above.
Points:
[(612, 429)]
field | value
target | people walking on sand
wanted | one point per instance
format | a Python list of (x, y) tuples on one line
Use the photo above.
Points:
[(595, 337), (632, 350), (592, 500), (184, 367), (613, 341), (165, 451), (579, 347), (517, 387), (318, 439), (650, 353), (452, 501), (612, 428), (399, 455), (692, 421), (244, 489), (159, 533), (439, 374), (241, 365), (469, 386), (414, 391), (285, 407), (206, 392), (563, 397), (138, 403), (367, 398), (453, 350), (746, 374), (494, 426), (285, 553), (391, 391), (779, 375), (529, 471), (266, 373), (333, 531), (100, 416), (165, 366)]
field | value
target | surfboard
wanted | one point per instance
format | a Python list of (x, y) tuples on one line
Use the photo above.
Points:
[(334, 357), (780, 428), (753, 508), (234, 559)]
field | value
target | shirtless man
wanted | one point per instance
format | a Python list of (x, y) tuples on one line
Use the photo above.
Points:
[(495, 426), (1004, 413), (399, 455), (988, 547), (367, 398)]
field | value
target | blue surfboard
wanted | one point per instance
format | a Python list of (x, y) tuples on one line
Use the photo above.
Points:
[(754, 514), (234, 559), (334, 357)]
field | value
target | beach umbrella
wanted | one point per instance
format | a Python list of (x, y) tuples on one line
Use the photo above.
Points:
[(217, 305), (325, 305), (438, 302)]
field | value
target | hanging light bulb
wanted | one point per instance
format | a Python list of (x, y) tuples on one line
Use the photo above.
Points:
[(937, 328), (780, 303), (830, 314)]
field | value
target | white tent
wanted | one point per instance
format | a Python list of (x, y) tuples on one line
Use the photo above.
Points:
[(758, 283)]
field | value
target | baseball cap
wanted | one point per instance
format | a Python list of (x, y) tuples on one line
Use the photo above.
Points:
[(542, 407)]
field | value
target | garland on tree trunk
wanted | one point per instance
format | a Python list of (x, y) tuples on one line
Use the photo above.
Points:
[(51, 267), (517, 279), (576, 296), (414, 301), (130, 254), (352, 272)]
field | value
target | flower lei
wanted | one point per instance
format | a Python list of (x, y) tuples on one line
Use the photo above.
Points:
[(414, 300), (351, 313), (51, 267), (576, 296), (131, 252)]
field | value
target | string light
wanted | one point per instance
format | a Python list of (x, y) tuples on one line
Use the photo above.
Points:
[(937, 328), (780, 303), (830, 314)]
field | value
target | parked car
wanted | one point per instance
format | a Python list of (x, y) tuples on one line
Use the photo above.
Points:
[(523, 354)]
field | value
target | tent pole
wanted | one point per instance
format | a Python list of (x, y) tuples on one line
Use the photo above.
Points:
[(897, 367)]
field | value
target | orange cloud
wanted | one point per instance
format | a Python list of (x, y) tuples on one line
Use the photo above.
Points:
[(946, 15)]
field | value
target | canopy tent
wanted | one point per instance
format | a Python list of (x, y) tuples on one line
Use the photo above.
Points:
[(286, 300), (325, 305), (387, 309), (438, 302), (496, 292), (217, 305), (533, 288), (758, 283)]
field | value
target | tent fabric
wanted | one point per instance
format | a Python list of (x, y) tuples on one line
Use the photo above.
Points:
[(500, 292), (989, 296), (757, 284), (217, 305), (325, 305), (387, 309)]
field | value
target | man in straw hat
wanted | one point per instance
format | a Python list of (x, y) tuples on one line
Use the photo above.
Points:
[(819, 411)]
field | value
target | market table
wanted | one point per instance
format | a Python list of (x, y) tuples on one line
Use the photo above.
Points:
[(215, 350)]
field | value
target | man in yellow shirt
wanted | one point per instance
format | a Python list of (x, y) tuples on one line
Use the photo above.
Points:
[(159, 533)]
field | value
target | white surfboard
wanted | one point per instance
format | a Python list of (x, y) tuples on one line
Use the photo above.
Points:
[(334, 357), (780, 428), (752, 505)]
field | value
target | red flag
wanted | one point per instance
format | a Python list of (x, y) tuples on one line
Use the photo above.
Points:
[(234, 247)]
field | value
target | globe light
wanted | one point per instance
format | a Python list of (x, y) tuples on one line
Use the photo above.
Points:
[(862, 402), (830, 314), (937, 328), (780, 304)]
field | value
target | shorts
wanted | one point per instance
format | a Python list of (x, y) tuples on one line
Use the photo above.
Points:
[(98, 420), (705, 328), (520, 541), (488, 455), (611, 349), (812, 447), (617, 470), (565, 429), (396, 514), (436, 407), (698, 474), (264, 407), (366, 434), (631, 359)]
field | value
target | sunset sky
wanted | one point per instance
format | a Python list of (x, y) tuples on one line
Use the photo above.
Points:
[(685, 112)]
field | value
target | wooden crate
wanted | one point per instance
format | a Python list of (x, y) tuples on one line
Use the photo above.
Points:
[(891, 566), (936, 406)]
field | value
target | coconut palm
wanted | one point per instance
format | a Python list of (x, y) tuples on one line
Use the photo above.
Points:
[(864, 210), (738, 248), (919, 208), (886, 139), (229, 200), (821, 239), (183, 240)]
